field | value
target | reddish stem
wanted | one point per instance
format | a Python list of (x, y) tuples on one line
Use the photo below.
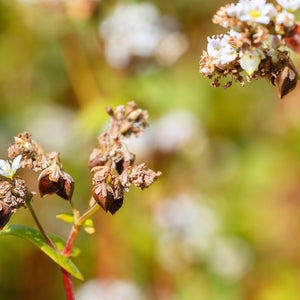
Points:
[(69, 288)]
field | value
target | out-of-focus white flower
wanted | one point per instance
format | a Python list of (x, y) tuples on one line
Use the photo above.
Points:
[(230, 258), (8, 170), (285, 18), (108, 289), (253, 10), (170, 48), (250, 61), (290, 5), (186, 228), (139, 30)]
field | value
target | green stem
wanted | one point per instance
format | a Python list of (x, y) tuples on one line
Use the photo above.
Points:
[(39, 225)]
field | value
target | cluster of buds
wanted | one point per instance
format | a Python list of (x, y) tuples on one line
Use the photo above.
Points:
[(112, 164), (254, 44)]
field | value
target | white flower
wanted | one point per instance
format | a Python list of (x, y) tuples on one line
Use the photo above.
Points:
[(220, 49), (290, 5), (8, 170), (285, 18), (250, 61), (255, 11)]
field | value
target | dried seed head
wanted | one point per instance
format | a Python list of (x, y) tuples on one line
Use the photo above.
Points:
[(14, 193), (32, 153), (104, 195), (5, 214)]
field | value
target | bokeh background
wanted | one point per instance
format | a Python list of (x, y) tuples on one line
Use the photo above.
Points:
[(222, 223)]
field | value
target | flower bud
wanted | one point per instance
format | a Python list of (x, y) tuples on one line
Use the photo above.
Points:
[(292, 39), (104, 195), (5, 214)]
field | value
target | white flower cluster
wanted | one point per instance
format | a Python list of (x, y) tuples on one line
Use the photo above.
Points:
[(259, 11), (226, 48), (140, 30)]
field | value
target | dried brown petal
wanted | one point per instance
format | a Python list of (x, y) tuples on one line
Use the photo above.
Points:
[(286, 80), (104, 195), (5, 214)]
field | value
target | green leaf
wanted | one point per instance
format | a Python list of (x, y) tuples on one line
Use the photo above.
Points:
[(35, 236), (66, 217)]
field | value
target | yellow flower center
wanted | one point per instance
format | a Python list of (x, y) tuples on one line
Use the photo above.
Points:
[(255, 13)]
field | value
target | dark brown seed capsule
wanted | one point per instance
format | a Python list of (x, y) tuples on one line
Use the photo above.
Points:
[(5, 214), (286, 80), (116, 205), (104, 195), (121, 164), (48, 187), (66, 187)]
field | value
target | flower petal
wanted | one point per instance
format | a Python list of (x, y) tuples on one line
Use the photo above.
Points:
[(250, 62), (16, 163)]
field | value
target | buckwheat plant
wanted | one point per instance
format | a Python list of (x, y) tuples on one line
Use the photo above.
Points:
[(113, 170), (258, 33)]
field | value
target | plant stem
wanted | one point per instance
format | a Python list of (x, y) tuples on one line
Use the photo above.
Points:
[(39, 225), (68, 284), (76, 227)]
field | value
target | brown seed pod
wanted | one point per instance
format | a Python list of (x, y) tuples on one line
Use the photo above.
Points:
[(104, 195), (66, 187), (286, 80), (122, 163), (5, 214), (116, 205), (47, 186), (54, 180)]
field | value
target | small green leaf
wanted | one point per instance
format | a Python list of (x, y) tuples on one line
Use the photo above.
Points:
[(35, 236), (66, 217), (88, 223)]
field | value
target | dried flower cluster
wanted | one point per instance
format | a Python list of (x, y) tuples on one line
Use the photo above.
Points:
[(258, 30), (112, 164), (52, 179)]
